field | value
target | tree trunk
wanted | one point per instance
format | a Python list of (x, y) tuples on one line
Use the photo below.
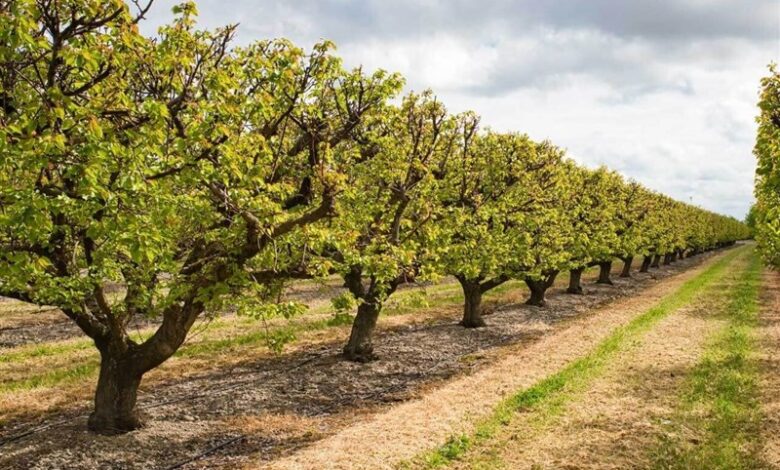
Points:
[(673, 257), (656, 261), (667, 259), (472, 305), (575, 281), (538, 289), (646, 263), (115, 398), (359, 348), (627, 266), (604, 268)]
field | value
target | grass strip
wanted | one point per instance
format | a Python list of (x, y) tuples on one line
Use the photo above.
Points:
[(718, 421), (578, 372)]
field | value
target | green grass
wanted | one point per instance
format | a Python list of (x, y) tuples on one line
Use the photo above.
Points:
[(717, 424), (52, 378), (549, 395), (44, 350)]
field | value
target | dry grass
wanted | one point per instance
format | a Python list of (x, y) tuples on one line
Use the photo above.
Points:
[(280, 426)]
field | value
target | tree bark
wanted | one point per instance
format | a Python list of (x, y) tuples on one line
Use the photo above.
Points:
[(575, 281), (667, 259), (115, 397), (627, 266), (360, 348), (604, 268), (656, 261), (673, 257), (538, 288), (646, 261), (472, 305)]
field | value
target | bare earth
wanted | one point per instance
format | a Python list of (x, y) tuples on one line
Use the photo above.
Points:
[(413, 427)]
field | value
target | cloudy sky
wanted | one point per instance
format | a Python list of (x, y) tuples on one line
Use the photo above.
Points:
[(663, 91)]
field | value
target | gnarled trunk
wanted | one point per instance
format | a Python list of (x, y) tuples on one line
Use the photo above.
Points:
[(359, 348), (627, 266), (604, 269), (538, 288), (123, 364), (575, 281), (646, 263), (116, 394), (472, 305), (656, 261)]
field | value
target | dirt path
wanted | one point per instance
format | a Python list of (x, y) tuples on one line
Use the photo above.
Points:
[(413, 427), (769, 359), (613, 423)]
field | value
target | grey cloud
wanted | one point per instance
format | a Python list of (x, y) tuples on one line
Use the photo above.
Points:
[(552, 61), (354, 20), (722, 120), (597, 34)]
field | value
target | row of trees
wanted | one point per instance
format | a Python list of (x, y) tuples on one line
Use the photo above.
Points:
[(192, 173), (765, 214)]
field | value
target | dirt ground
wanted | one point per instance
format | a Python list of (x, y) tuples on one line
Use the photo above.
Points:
[(769, 359), (22, 323), (269, 408)]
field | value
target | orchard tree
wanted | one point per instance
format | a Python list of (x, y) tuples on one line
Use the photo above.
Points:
[(485, 196), (662, 226), (650, 230), (617, 194), (632, 210), (592, 212), (178, 168), (385, 234), (547, 225), (767, 152)]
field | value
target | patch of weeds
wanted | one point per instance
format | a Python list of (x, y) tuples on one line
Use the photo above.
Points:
[(343, 305), (340, 319)]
